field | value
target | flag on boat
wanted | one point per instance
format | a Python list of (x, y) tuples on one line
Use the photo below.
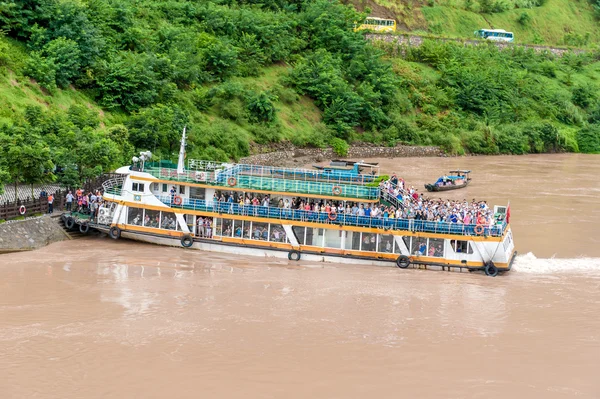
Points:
[(508, 213)]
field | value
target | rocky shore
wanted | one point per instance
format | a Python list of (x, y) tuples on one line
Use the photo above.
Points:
[(291, 156)]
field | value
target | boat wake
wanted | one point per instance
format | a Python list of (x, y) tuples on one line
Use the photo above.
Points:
[(529, 263)]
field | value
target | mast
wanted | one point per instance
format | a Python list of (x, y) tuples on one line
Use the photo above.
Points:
[(181, 162)]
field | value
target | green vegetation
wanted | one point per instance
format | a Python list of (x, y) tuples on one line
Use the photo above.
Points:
[(86, 84), (549, 22)]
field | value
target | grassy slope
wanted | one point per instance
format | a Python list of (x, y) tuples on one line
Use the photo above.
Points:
[(298, 115), (549, 23)]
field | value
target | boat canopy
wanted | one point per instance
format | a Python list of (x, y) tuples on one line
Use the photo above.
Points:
[(460, 171), (447, 178)]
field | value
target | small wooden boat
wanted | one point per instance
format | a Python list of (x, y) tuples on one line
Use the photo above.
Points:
[(455, 180)]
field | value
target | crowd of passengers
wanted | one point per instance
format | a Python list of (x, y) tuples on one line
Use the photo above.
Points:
[(410, 204), (415, 206), (85, 202)]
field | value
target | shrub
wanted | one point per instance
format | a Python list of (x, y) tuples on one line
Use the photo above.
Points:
[(524, 19), (584, 96), (42, 69), (261, 107), (588, 139), (339, 146)]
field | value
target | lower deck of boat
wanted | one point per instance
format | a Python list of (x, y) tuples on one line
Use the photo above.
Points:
[(257, 250)]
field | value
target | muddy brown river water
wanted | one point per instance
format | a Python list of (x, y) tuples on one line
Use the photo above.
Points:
[(97, 318)]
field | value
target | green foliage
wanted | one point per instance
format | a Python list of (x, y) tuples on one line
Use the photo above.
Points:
[(339, 146), (158, 66), (584, 95), (588, 139), (42, 69), (261, 107), (524, 19)]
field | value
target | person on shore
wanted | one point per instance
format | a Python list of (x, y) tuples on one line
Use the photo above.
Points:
[(51, 203), (69, 199)]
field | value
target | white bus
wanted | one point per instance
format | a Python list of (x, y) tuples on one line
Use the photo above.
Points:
[(496, 35)]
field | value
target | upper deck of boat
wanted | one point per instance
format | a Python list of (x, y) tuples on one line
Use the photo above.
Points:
[(338, 183)]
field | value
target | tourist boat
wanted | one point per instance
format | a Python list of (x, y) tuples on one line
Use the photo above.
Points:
[(456, 179), (161, 203)]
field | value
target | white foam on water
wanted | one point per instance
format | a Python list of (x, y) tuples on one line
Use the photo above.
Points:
[(529, 263)]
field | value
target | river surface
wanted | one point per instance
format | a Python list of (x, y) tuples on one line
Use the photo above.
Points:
[(97, 318)]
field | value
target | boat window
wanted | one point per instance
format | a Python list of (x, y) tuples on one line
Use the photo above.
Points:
[(299, 232), (333, 238), (135, 216), (419, 246), (353, 240), (217, 226), (137, 187), (260, 231), (369, 241), (313, 237), (238, 228), (227, 228), (386, 243), (168, 221), (461, 246), (154, 186), (182, 189), (436, 247), (164, 188), (247, 229), (197, 193), (278, 233), (507, 241), (152, 218)]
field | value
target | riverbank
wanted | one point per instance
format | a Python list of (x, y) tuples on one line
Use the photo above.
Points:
[(288, 155), (28, 234)]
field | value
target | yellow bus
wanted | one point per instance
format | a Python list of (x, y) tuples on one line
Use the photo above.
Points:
[(378, 25)]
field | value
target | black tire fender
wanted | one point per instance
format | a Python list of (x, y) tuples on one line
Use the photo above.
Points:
[(70, 222), (114, 232), (403, 261), (490, 269), (294, 255), (84, 228), (187, 241)]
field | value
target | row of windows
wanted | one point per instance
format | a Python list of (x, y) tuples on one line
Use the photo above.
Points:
[(151, 218), (337, 239), (327, 238), (250, 230), (379, 22)]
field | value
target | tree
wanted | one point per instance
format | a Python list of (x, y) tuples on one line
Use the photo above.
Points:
[(157, 128), (66, 56), (26, 158)]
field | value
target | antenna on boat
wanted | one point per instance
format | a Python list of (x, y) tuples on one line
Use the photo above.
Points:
[(180, 163)]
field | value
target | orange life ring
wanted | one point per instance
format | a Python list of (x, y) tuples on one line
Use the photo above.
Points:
[(479, 229), (332, 216), (336, 190), (22, 209), (177, 200), (232, 181)]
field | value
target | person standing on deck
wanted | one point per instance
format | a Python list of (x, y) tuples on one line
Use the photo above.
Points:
[(51, 203), (69, 199)]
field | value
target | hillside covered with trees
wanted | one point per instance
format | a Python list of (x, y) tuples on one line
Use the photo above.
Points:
[(85, 84)]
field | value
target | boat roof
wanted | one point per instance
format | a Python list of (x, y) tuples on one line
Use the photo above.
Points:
[(460, 171)]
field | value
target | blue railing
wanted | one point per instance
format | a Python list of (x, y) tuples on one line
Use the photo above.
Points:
[(341, 219), (337, 177)]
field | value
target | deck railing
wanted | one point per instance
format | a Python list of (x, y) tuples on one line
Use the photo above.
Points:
[(227, 208), (267, 182), (337, 177)]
